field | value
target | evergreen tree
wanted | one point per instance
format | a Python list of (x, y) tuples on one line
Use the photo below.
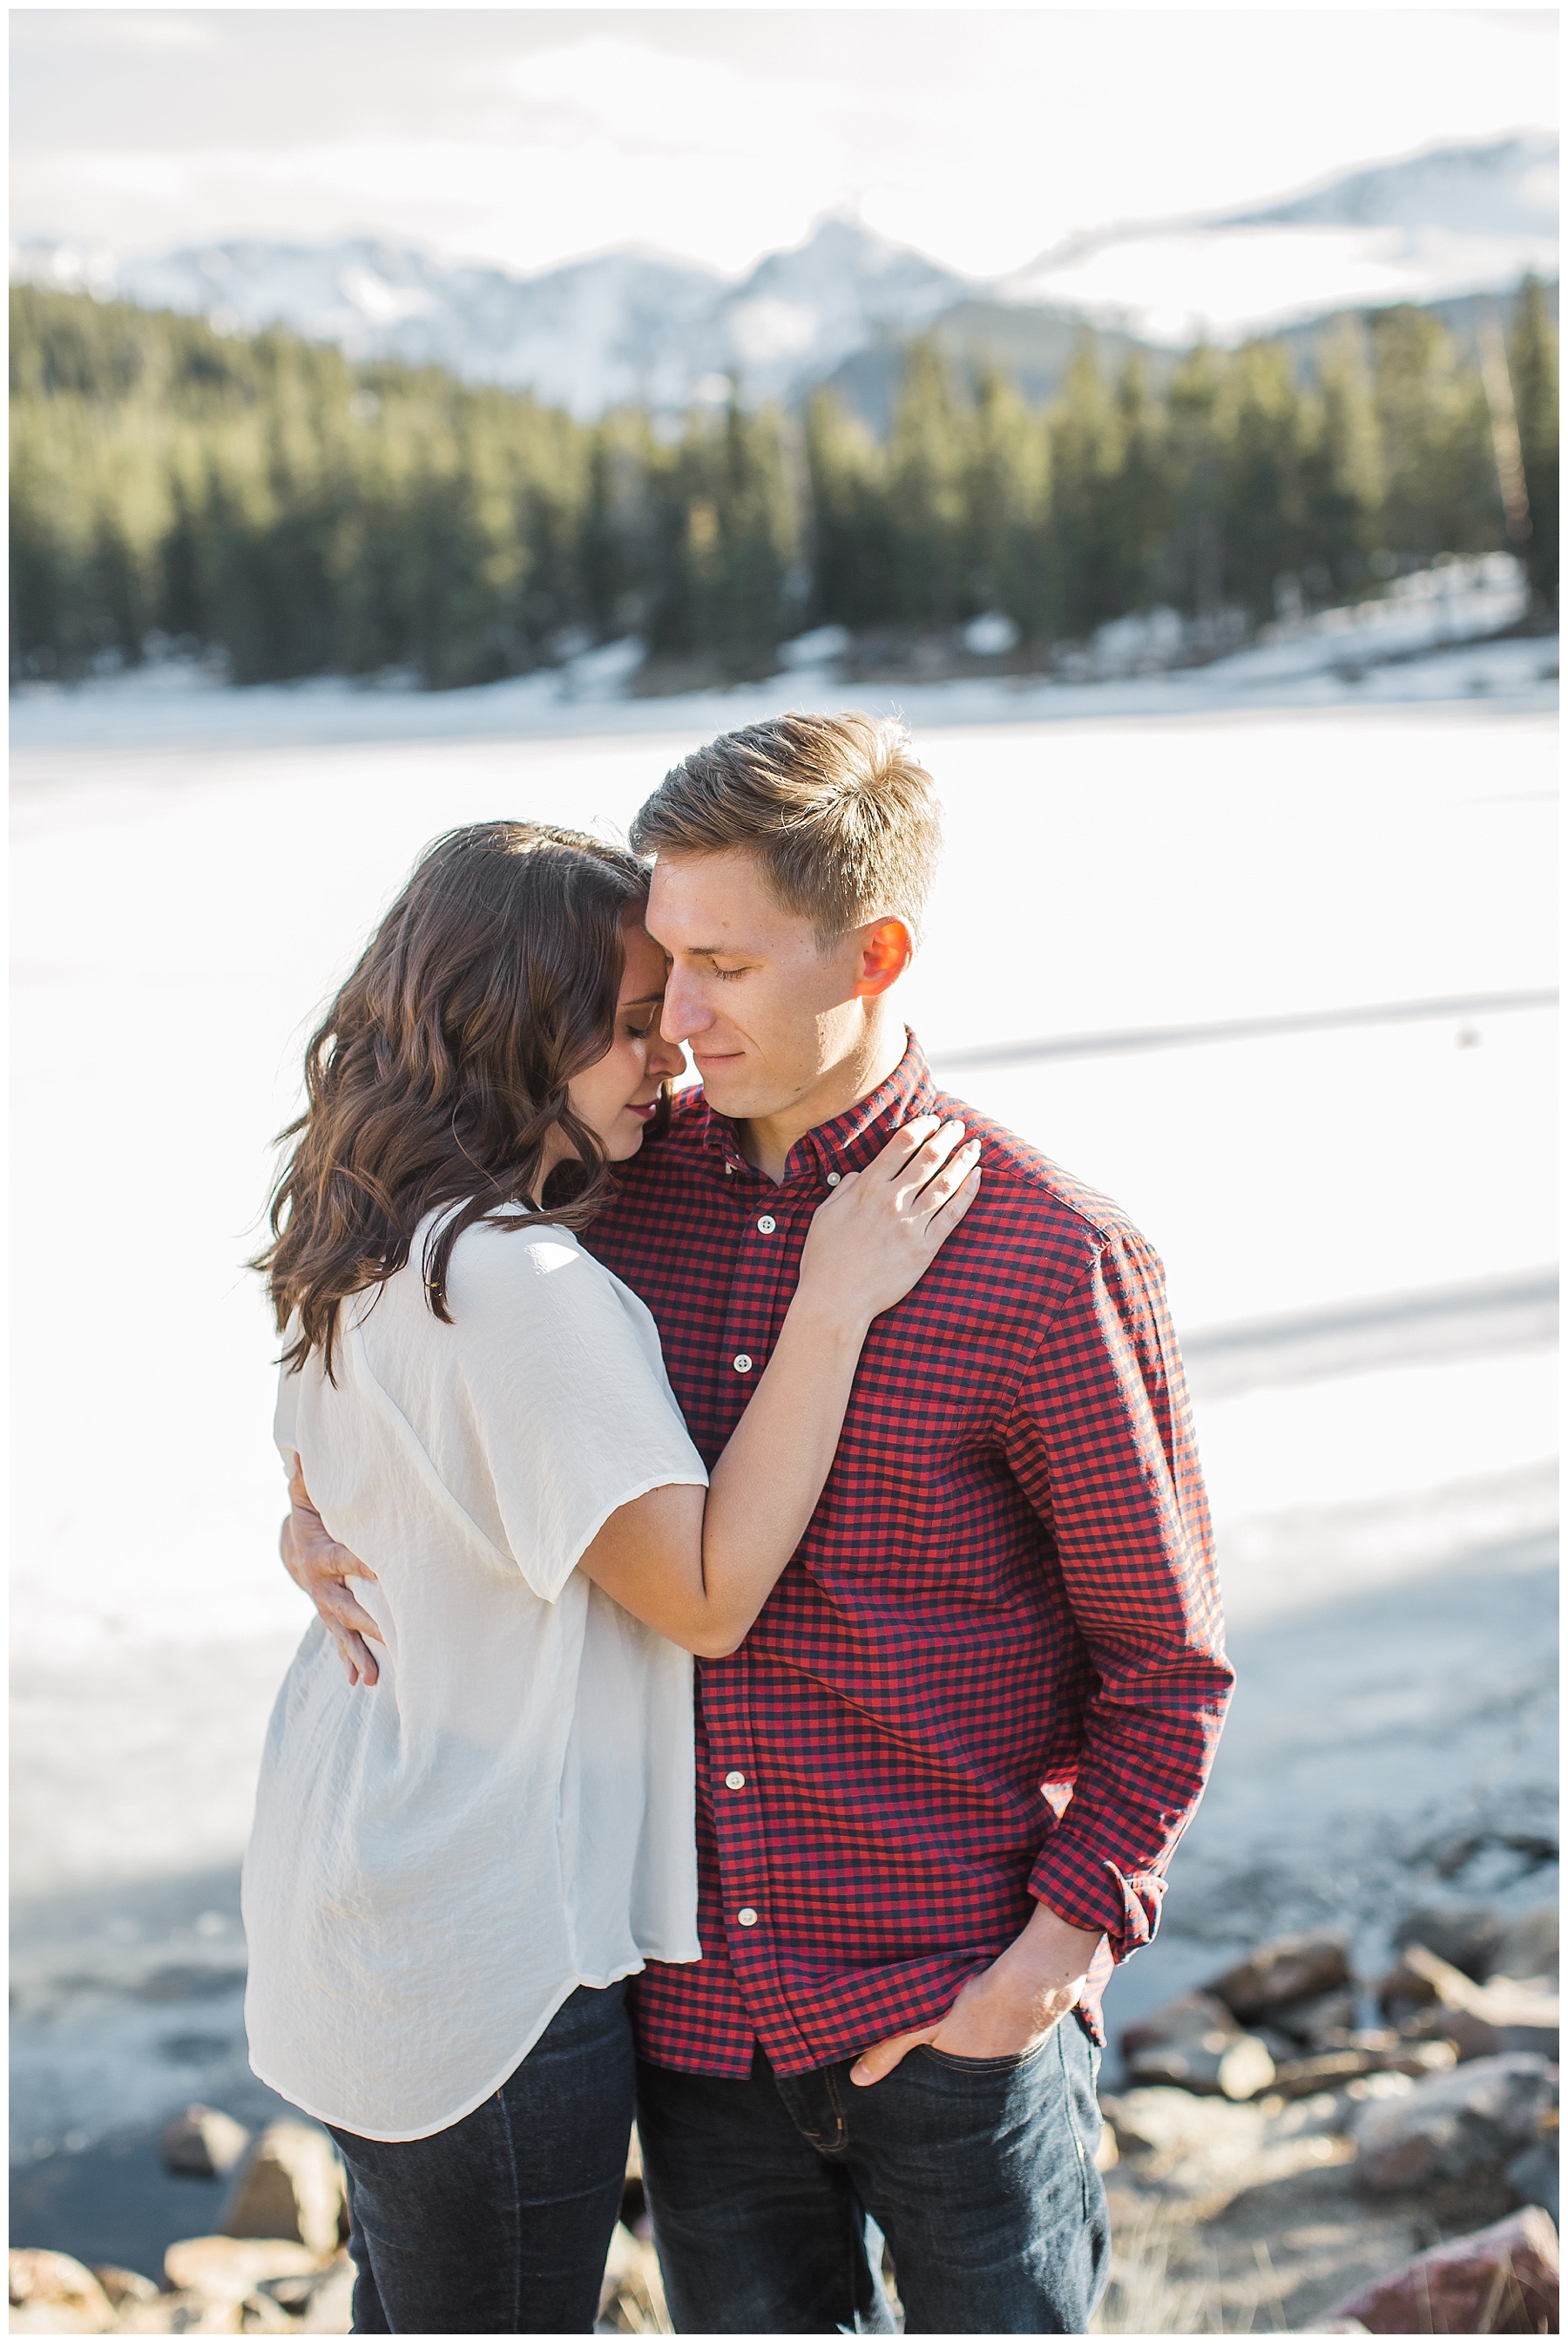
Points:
[(925, 468), (1341, 467), (1006, 494), (1532, 367), (1440, 476), (853, 557), (1193, 568), (1264, 492), (1084, 563)]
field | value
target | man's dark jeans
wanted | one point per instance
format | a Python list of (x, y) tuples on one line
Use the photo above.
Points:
[(980, 2172), (500, 2224)]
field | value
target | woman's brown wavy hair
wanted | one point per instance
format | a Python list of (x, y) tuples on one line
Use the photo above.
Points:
[(441, 1069)]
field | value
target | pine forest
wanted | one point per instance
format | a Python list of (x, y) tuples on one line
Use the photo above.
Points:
[(266, 501)]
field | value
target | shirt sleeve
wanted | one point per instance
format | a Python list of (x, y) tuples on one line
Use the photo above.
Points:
[(566, 1393), (285, 1416), (1100, 1440)]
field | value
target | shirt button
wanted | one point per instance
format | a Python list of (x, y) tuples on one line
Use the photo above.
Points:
[(767, 1224), (735, 1781), (747, 1917), (833, 1179), (742, 1362)]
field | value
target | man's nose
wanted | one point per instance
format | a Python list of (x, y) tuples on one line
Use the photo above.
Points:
[(684, 1013)]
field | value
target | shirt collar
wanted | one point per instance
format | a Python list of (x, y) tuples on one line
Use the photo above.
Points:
[(852, 1139)]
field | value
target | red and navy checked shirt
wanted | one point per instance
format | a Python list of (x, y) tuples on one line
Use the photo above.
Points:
[(993, 1668)]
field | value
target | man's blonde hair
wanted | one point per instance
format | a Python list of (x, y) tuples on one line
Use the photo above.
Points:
[(842, 819)]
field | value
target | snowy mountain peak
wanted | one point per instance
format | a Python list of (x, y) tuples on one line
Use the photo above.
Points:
[(630, 326), (1455, 219)]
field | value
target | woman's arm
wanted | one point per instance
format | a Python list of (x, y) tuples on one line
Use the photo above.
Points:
[(699, 1572), (699, 1565)]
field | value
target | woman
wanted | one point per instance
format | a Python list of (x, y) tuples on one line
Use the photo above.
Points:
[(449, 1883)]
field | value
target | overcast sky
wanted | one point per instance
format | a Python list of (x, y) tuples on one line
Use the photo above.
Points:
[(531, 137)]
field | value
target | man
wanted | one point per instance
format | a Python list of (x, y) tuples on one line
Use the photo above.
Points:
[(938, 1784)]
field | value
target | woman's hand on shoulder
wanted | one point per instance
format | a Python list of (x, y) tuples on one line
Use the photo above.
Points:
[(881, 1228)]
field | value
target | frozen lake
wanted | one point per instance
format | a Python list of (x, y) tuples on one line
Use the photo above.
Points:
[(1358, 1217)]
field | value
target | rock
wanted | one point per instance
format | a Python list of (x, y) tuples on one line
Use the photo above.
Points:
[(56, 2294), (1195, 2043), (1329, 2070), (123, 2285), (170, 2314), (289, 2185), (1464, 1935), (203, 2142), (1187, 2143), (1321, 2022), (259, 2315), (632, 2296), (1528, 1948), (1534, 2177), (1474, 2119), (1505, 2014), (321, 2302), (225, 2269), (1499, 2281), (1290, 1969)]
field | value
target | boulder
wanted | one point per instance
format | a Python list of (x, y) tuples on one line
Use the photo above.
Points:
[(1464, 1935), (202, 2143), (1186, 2143), (1534, 2177), (51, 2294), (290, 2185), (1329, 2070), (225, 2269), (319, 2303), (176, 2314), (1481, 2020), (1527, 1947), (1289, 1969), (1498, 2281), (1195, 2043), (259, 2315), (123, 2285), (1476, 2118), (1321, 2022)]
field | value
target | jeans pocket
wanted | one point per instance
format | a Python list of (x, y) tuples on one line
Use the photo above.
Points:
[(1010, 2065)]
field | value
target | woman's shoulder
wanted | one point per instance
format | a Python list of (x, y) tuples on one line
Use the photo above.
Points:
[(508, 1264)]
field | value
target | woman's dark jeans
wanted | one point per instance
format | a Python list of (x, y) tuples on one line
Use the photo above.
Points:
[(500, 2224), (980, 2172)]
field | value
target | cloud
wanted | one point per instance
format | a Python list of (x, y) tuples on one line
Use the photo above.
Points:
[(980, 139)]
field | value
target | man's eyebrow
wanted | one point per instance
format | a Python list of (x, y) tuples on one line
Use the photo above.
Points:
[(711, 952)]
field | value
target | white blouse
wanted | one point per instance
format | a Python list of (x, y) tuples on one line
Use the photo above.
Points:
[(439, 1861)]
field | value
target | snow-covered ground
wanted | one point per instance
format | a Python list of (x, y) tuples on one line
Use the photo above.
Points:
[(1359, 1223), (1425, 641)]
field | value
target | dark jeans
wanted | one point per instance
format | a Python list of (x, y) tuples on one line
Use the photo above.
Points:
[(980, 2172), (500, 2224)]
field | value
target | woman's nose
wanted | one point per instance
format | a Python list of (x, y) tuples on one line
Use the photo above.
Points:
[(665, 1059)]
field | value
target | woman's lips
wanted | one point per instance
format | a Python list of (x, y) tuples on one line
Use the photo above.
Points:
[(643, 1113)]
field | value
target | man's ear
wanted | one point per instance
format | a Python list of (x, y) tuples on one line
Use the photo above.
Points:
[(886, 948)]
